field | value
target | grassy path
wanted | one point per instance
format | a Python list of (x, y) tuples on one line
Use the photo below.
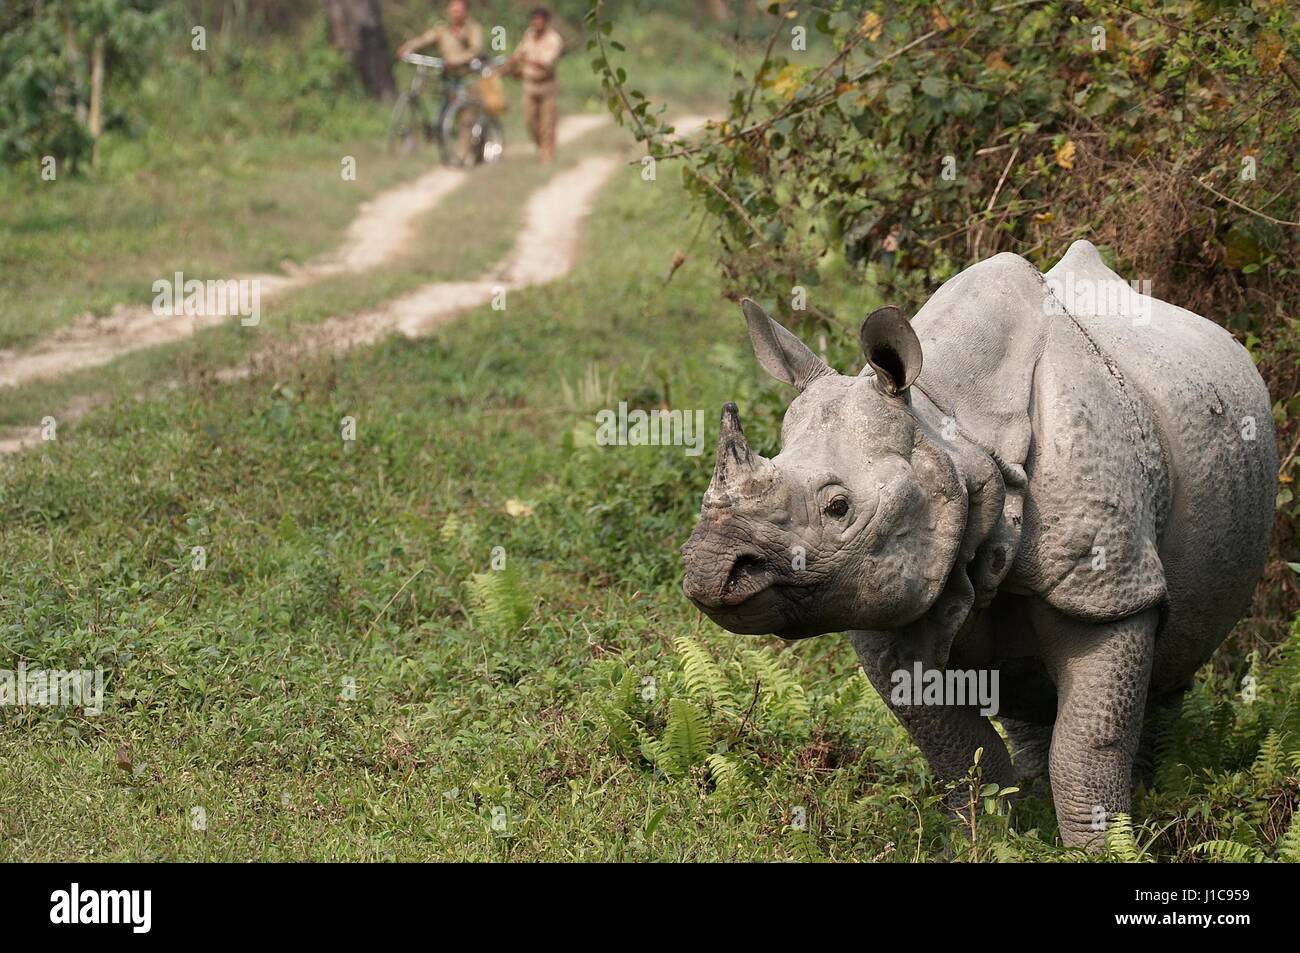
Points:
[(544, 250), (473, 228), (383, 226)]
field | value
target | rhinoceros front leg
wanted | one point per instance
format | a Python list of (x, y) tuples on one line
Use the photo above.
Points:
[(948, 735), (1101, 673)]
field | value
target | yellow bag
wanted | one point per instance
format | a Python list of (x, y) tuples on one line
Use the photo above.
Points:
[(493, 93)]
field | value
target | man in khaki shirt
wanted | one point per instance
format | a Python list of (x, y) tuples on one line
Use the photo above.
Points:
[(459, 40), (534, 60)]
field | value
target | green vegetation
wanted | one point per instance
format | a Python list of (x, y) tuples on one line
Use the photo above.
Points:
[(349, 676), (243, 174), (475, 689), (887, 146), (471, 230)]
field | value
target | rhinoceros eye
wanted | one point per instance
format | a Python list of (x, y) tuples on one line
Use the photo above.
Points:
[(837, 507)]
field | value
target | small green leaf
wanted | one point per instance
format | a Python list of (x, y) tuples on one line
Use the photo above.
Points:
[(655, 818), (935, 86)]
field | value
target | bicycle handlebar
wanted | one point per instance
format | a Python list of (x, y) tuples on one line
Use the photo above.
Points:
[(417, 59), (476, 65)]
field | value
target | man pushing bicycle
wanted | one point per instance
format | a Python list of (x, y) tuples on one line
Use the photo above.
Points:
[(459, 40), (466, 126)]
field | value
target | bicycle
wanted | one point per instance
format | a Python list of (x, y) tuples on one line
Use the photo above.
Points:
[(466, 131)]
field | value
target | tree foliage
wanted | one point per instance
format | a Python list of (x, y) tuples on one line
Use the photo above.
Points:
[(874, 149), (1052, 119), (46, 52)]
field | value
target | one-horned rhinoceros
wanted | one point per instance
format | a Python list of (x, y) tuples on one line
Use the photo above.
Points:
[(1075, 494)]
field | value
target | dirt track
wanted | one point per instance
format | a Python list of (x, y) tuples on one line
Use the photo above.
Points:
[(545, 250), (382, 227)]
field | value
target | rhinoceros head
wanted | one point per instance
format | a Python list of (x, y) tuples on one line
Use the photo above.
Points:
[(855, 524)]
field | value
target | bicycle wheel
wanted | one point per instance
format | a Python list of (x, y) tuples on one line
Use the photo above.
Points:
[(404, 127), (492, 141), (470, 134)]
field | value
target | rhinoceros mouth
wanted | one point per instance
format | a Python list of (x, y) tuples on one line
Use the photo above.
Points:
[(766, 607)]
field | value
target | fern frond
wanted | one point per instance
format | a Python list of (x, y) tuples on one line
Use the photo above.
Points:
[(647, 745), (783, 699), (847, 697), (1288, 845), (730, 777), (804, 847), (624, 694), (686, 739), (623, 736), (499, 600), (1120, 842), (1268, 767), (1229, 852), (705, 679)]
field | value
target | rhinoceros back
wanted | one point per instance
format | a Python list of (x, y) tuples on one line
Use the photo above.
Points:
[(1142, 487)]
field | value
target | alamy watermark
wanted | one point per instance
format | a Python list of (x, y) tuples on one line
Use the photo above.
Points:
[(53, 687), (228, 297), (1119, 299), (651, 428), (932, 686), (133, 908)]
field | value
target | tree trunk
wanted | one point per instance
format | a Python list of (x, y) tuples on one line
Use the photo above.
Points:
[(358, 32), (718, 10), (95, 123), (74, 57)]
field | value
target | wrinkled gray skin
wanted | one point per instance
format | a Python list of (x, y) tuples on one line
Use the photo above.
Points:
[(955, 516)]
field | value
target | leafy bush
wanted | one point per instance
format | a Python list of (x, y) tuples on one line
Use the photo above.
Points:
[(38, 97), (45, 72), (1054, 118), (874, 150)]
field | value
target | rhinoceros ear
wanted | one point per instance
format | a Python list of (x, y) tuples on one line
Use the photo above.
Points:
[(892, 348), (782, 354)]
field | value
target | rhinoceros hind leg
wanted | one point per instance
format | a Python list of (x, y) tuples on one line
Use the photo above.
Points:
[(1030, 745), (1101, 672)]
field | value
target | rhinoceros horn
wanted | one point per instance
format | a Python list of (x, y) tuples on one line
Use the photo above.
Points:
[(735, 464)]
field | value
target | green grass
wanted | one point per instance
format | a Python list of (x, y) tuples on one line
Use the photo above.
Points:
[(470, 231), (474, 690), (576, 689)]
